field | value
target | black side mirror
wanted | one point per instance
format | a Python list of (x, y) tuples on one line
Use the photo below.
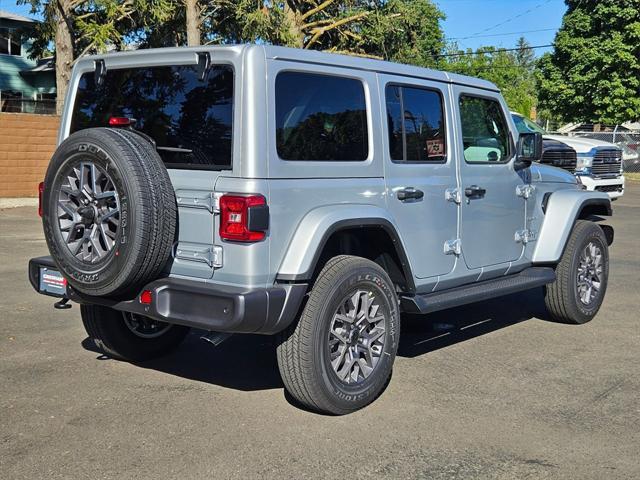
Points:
[(529, 150)]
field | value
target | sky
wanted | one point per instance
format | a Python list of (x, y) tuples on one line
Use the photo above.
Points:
[(474, 23), (470, 22)]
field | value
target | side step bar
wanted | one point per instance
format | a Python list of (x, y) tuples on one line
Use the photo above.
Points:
[(477, 292)]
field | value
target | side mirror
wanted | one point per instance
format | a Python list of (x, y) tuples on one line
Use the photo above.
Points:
[(529, 150)]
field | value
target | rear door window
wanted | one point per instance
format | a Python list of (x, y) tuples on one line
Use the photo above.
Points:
[(416, 123), (189, 118), (320, 117)]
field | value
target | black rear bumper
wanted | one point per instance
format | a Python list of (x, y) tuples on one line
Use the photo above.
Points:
[(201, 305)]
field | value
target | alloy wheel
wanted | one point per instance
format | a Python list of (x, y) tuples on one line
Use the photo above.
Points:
[(89, 212), (357, 336), (145, 327), (590, 269)]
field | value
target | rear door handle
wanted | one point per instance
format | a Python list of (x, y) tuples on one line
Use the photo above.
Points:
[(409, 193), (474, 191)]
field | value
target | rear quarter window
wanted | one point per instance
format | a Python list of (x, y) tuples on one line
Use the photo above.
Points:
[(320, 117), (190, 119)]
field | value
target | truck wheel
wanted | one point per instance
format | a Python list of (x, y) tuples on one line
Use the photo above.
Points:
[(128, 336), (109, 211), (338, 357), (581, 276)]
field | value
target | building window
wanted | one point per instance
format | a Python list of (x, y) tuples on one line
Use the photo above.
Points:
[(10, 42), (11, 101)]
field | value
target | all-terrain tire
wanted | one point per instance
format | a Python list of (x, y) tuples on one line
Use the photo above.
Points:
[(304, 349), (562, 297), (142, 226), (107, 329)]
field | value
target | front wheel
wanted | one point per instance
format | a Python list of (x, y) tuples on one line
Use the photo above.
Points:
[(338, 357), (581, 276), (128, 336)]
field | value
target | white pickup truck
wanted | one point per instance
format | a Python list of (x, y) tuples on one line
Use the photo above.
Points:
[(597, 164)]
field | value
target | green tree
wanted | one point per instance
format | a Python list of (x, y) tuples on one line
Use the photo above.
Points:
[(398, 30), (593, 74), (511, 71)]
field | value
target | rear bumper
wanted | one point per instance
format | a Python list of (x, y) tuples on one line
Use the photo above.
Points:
[(201, 305)]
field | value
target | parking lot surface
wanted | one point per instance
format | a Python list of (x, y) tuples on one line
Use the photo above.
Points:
[(490, 390)]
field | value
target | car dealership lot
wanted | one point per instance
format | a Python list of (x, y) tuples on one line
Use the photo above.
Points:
[(483, 391)]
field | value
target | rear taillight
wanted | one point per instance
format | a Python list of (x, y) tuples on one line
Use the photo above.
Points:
[(40, 192), (243, 218)]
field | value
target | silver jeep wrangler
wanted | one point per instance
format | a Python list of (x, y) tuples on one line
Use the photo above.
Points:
[(257, 189)]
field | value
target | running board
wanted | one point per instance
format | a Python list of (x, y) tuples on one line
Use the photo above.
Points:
[(477, 292)]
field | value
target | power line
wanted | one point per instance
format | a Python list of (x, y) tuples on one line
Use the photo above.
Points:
[(510, 19), (490, 52), (502, 34)]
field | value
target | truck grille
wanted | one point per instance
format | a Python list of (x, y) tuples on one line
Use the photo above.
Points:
[(607, 163), (565, 159)]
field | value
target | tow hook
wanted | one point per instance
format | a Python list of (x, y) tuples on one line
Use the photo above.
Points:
[(215, 338), (63, 304)]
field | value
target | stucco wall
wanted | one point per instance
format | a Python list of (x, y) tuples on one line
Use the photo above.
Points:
[(26, 145)]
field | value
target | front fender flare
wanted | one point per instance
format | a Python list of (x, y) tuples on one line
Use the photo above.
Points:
[(318, 225), (562, 210)]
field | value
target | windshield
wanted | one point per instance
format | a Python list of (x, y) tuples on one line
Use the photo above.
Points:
[(524, 125), (189, 118)]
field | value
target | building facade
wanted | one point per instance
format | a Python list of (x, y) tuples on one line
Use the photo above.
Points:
[(26, 85)]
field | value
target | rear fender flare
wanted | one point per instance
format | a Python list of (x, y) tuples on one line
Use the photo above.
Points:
[(318, 225)]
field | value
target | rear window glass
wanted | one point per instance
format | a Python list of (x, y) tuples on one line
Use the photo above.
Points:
[(189, 119), (320, 117)]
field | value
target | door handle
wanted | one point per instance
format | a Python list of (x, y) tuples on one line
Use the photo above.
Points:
[(474, 191), (409, 193)]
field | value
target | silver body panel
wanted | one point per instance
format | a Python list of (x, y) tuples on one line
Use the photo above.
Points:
[(307, 198)]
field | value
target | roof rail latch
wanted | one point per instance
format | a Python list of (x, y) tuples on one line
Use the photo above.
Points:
[(100, 72), (204, 64)]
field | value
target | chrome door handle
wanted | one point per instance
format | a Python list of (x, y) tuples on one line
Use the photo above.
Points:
[(409, 193)]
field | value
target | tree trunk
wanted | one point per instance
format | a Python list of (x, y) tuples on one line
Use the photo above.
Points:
[(64, 53), (194, 20), (295, 23)]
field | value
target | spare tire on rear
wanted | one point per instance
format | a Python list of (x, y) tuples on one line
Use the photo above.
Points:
[(109, 211)]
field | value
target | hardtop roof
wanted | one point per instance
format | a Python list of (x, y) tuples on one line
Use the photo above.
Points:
[(315, 57)]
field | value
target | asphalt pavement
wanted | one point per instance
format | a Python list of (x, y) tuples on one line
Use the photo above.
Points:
[(490, 390)]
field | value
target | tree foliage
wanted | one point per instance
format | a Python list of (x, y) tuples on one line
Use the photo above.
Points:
[(511, 71), (593, 75)]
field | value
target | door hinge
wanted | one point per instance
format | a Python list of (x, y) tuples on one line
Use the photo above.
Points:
[(525, 236), (212, 256), (453, 195), (453, 247), (209, 202), (525, 191)]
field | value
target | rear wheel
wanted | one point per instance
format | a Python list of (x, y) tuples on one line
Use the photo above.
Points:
[(581, 276), (128, 336), (338, 357)]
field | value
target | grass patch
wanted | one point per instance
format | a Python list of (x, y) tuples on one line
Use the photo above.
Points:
[(633, 176)]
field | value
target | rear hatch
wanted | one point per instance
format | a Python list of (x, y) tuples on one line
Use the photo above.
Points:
[(187, 111)]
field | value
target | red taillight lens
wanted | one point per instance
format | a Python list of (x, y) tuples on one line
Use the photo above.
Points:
[(243, 218), (146, 297), (120, 121), (40, 192)]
